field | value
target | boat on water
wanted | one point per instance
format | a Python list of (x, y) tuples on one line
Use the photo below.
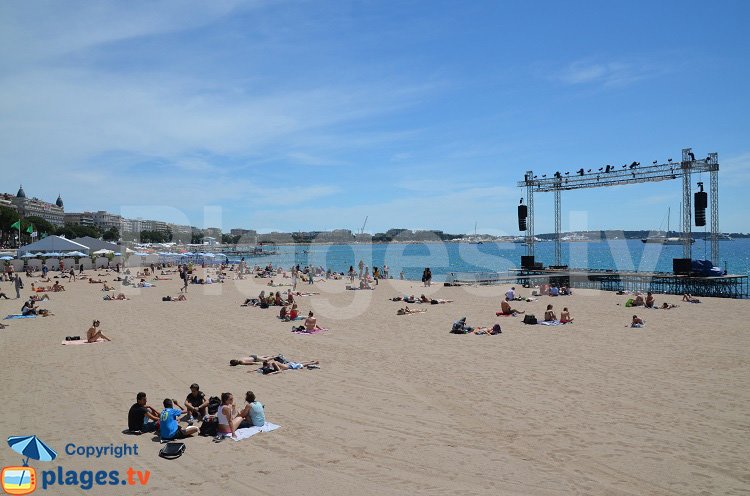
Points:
[(575, 238), (663, 238)]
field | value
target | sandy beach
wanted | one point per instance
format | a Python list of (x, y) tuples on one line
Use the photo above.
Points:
[(399, 405)]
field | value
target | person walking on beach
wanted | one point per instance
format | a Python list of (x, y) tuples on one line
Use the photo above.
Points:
[(185, 277), (427, 277), (18, 283), (294, 278), (361, 268)]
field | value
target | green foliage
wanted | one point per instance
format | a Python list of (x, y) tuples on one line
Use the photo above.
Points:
[(111, 234), (40, 225), (228, 239), (76, 231), (155, 237)]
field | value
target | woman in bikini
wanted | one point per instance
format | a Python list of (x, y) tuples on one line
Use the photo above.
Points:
[(95, 333), (565, 316), (229, 419)]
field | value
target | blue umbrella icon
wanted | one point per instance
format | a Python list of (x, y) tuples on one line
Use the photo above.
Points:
[(31, 447)]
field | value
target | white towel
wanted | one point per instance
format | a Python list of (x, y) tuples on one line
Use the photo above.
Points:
[(251, 431)]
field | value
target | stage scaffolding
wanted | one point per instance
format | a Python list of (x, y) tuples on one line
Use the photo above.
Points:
[(633, 173)]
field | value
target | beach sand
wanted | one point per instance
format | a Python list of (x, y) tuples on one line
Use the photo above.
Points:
[(399, 405)]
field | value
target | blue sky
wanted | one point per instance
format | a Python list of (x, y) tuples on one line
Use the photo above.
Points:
[(302, 115)]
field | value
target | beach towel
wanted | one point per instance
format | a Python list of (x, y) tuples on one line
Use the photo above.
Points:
[(316, 331), (550, 322), (251, 431), (82, 341), (19, 316)]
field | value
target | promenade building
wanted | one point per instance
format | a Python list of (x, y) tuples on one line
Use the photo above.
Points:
[(54, 213)]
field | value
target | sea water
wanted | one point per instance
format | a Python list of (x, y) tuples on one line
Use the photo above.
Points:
[(444, 258)]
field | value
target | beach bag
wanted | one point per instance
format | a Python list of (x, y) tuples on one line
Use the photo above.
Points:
[(629, 303), (529, 319), (166, 298), (209, 426), (213, 405), (458, 328), (172, 451)]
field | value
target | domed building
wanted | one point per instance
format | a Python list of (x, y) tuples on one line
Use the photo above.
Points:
[(54, 213)]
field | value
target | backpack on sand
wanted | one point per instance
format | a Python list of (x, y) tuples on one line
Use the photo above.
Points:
[(172, 451), (530, 319)]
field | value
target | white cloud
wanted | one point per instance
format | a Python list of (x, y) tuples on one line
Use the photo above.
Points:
[(608, 74)]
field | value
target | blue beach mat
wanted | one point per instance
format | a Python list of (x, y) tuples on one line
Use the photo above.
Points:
[(18, 316)]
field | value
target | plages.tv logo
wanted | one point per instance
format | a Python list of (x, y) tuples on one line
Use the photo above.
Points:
[(22, 479)]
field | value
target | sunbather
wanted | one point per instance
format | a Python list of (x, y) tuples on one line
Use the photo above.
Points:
[(549, 315), (689, 298), (637, 322), (505, 308), (649, 300), (489, 331), (112, 297), (667, 306), (408, 311), (252, 360), (274, 367), (434, 301), (311, 323), (565, 317), (95, 333)]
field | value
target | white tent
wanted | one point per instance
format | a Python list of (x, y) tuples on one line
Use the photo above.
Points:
[(97, 244), (53, 244)]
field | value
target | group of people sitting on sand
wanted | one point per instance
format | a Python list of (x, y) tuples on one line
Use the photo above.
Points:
[(554, 290), (219, 413), (270, 300), (29, 308), (273, 364), (55, 288), (550, 316)]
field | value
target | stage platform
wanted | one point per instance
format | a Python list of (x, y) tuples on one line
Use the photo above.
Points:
[(727, 286)]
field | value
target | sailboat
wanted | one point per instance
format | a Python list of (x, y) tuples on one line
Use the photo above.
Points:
[(474, 240), (664, 239)]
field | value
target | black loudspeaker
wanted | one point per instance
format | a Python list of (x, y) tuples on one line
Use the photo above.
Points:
[(527, 261), (681, 266), (701, 202), (523, 212)]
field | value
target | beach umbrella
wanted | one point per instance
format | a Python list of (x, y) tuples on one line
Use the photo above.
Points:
[(28, 255), (76, 254), (31, 447), (52, 254), (117, 254), (103, 251), (6, 258)]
